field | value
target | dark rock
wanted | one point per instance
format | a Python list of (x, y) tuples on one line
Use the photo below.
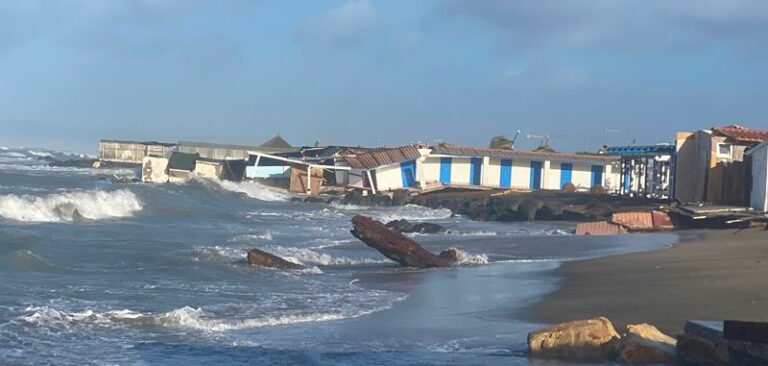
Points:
[(400, 226), (569, 187), (401, 197), (395, 246), (314, 199), (527, 209), (261, 258), (451, 254), (551, 210), (297, 199), (428, 228)]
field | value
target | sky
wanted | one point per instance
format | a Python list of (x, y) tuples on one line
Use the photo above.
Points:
[(379, 72)]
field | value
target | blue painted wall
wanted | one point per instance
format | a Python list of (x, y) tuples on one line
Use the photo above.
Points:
[(597, 175), (445, 170), (535, 182), (475, 170), (566, 173), (408, 171), (505, 177)]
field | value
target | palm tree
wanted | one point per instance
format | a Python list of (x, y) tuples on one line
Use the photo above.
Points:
[(500, 142)]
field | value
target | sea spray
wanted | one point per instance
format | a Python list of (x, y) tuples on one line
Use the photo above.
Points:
[(70, 206)]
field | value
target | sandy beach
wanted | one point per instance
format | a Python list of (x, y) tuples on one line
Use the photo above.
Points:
[(710, 274)]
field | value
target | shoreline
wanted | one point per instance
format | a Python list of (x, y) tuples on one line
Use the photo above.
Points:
[(708, 275)]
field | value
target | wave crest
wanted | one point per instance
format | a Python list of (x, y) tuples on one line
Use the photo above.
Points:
[(254, 190), (71, 206)]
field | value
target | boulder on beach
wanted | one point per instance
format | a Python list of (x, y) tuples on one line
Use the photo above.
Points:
[(579, 340), (261, 258), (396, 246), (645, 344)]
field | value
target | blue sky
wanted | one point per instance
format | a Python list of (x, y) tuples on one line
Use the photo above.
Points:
[(378, 72)]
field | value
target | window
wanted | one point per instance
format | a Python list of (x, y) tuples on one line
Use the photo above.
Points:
[(724, 150)]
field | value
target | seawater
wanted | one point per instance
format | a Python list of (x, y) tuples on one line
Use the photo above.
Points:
[(100, 273)]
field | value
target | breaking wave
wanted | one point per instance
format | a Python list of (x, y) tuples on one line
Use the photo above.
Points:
[(408, 212), (467, 258), (310, 257), (255, 190), (71, 206)]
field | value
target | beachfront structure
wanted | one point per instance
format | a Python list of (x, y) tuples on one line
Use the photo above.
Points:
[(644, 171), (758, 196), (154, 170), (710, 167), (206, 150), (180, 166), (132, 152), (423, 167), (300, 176), (450, 165)]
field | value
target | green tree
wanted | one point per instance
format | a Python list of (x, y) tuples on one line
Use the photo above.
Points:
[(500, 142)]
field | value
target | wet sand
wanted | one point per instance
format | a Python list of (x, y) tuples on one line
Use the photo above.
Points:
[(712, 274)]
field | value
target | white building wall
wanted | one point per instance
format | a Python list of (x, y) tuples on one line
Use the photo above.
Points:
[(492, 173), (581, 176), (521, 173), (460, 171), (207, 169), (154, 170), (552, 177), (758, 197), (430, 170), (389, 177)]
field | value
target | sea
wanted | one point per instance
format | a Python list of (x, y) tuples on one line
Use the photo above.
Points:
[(98, 272)]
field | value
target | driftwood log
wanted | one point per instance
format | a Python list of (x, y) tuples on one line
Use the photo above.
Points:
[(261, 258), (398, 247)]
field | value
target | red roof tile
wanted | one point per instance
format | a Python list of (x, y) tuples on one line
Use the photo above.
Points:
[(741, 133)]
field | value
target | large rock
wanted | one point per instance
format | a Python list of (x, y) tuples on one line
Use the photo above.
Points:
[(396, 246), (579, 340), (405, 226), (645, 344), (526, 210), (261, 258)]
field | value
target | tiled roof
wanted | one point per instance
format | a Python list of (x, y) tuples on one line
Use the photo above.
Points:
[(741, 133), (383, 157), (512, 154)]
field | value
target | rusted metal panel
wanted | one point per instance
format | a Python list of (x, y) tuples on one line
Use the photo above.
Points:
[(599, 228), (634, 220)]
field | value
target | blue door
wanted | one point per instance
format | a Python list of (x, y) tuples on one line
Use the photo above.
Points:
[(566, 173), (475, 169), (445, 170), (505, 179), (597, 175), (626, 181), (535, 182), (408, 170)]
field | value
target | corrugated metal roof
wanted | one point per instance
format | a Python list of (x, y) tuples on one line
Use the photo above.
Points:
[(383, 157), (648, 149), (512, 154), (741, 133)]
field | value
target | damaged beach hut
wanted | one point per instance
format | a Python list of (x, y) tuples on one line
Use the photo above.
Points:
[(181, 166), (295, 174), (388, 169)]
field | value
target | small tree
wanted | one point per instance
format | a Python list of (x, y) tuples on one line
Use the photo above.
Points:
[(500, 142)]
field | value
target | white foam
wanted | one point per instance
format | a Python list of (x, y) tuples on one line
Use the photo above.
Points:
[(255, 190), (93, 205), (253, 237), (467, 258), (310, 257), (408, 212)]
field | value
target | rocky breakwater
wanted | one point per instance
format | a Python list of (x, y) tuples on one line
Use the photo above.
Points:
[(537, 205)]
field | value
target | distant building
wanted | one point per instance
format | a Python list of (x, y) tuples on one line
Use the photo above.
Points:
[(710, 164), (275, 145), (132, 152), (645, 171)]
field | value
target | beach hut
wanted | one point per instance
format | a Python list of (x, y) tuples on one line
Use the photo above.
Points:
[(645, 171), (154, 170), (132, 152), (390, 168), (758, 197), (180, 166), (450, 165), (710, 167)]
